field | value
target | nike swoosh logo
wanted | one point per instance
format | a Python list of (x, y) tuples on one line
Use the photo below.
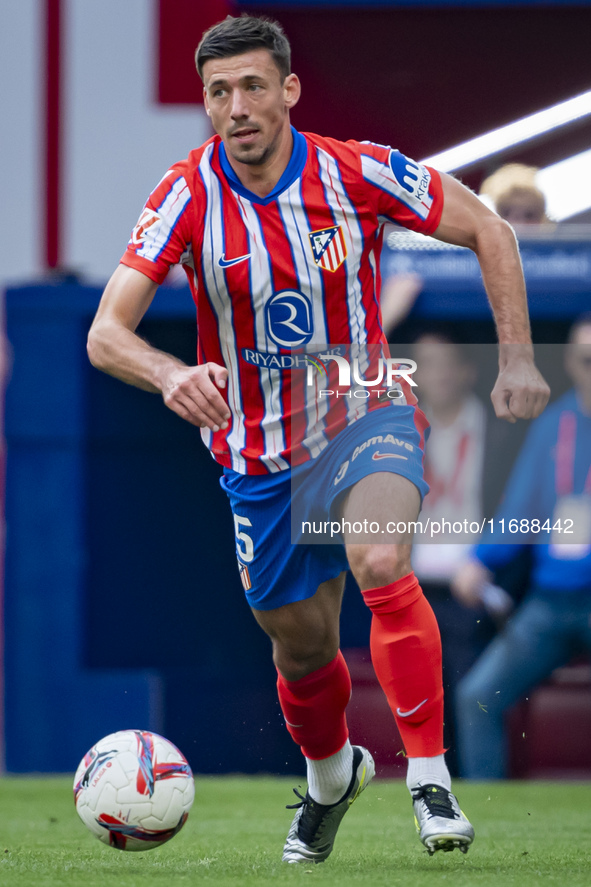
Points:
[(406, 714), (223, 262), (360, 789), (377, 455)]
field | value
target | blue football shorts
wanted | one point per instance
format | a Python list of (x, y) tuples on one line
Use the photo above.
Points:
[(274, 569)]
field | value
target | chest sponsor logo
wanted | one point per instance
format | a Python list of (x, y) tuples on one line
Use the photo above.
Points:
[(275, 361), (328, 247), (147, 220), (289, 319)]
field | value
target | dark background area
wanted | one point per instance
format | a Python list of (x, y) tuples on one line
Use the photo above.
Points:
[(420, 79)]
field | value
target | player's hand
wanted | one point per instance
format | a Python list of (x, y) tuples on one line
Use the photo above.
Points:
[(194, 394), (467, 584), (520, 391)]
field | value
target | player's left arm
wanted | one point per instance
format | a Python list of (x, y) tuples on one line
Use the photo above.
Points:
[(520, 391)]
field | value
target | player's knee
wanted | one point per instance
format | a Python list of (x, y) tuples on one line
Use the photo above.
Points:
[(377, 565), (303, 652), (297, 663)]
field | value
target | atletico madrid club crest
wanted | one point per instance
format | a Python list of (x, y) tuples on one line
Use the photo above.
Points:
[(244, 576), (329, 247)]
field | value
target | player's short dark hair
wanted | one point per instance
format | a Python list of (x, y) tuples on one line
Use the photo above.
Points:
[(245, 33)]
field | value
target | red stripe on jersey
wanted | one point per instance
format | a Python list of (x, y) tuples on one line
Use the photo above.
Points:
[(316, 244)]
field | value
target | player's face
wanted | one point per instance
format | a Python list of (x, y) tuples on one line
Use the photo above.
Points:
[(522, 208), (249, 104)]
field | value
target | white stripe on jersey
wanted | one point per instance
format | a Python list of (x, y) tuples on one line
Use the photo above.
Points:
[(332, 255), (169, 172), (309, 275), (339, 249), (345, 215), (270, 379), (219, 297), (156, 236), (413, 191), (207, 438)]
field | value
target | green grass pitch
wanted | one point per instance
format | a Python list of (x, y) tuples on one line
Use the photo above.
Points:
[(526, 834)]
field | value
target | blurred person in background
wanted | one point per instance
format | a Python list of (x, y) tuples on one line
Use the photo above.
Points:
[(551, 481), (513, 193), (465, 474), (398, 294)]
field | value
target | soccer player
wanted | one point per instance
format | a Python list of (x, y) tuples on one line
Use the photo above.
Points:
[(280, 233)]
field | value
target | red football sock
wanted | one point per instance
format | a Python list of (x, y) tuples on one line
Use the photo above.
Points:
[(406, 655), (314, 708)]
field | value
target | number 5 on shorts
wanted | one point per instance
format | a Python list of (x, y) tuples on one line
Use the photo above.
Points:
[(244, 542)]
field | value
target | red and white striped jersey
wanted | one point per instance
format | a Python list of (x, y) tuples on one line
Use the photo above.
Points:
[(273, 278)]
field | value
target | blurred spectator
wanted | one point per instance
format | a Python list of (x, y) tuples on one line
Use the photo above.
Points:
[(462, 469), (398, 294), (551, 481), (513, 193)]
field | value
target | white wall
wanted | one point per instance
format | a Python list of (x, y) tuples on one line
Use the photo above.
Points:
[(117, 141), (21, 220)]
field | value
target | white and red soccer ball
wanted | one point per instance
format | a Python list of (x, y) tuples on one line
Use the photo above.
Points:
[(134, 790)]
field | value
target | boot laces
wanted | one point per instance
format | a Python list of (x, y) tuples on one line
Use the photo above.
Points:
[(437, 800), (312, 818)]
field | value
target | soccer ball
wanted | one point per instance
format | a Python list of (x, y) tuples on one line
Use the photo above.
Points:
[(134, 790)]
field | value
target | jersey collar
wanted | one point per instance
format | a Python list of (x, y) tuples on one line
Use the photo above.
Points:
[(292, 171)]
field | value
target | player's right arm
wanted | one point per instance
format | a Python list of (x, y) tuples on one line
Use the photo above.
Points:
[(193, 392)]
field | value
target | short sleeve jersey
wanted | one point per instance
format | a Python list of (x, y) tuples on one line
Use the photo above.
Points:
[(273, 277)]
